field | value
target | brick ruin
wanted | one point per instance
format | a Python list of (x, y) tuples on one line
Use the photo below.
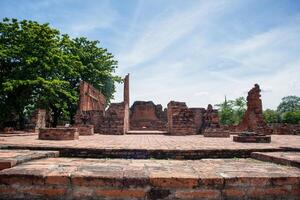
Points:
[(176, 119), (145, 115), (91, 110), (253, 118), (119, 118)]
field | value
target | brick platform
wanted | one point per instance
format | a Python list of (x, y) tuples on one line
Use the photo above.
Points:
[(224, 134), (284, 158), (252, 139), (151, 146), (85, 129), (58, 134), (10, 158), (64, 178)]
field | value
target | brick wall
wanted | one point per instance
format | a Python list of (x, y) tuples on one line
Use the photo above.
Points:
[(145, 115), (58, 134)]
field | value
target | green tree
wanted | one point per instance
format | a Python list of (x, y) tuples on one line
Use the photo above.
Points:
[(291, 117), (226, 112), (239, 109), (232, 111), (39, 67), (271, 116), (289, 104)]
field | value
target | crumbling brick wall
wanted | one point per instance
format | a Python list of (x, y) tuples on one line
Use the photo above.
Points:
[(253, 118), (145, 115), (91, 106), (113, 121), (181, 119)]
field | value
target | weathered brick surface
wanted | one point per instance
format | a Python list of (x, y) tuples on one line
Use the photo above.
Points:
[(58, 134), (252, 139), (284, 158), (10, 158), (211, 132), (65, 178), (151, 146), (85, 129), (114, 120), (253, 118), (180, 119), (145, 115)]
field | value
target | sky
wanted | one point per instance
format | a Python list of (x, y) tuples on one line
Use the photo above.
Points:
[(185, 50)]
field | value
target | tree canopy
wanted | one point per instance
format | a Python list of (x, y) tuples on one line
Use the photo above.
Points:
[(39, 67), (232, 111)]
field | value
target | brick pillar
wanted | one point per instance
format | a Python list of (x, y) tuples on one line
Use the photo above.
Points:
[(126, 103)]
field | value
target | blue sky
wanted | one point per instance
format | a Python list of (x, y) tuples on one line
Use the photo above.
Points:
[(186, 50)]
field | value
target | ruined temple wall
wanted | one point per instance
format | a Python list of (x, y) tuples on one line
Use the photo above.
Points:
[(113, 121), (253, 118), (90, 98), (145, 115), (181, 119)]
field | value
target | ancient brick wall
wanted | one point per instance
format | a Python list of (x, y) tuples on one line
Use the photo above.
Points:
[(91, 106), (113, 121), (38, 120), (181, 119), (58, 134), (145, 115), (90, 98), (253, 118), (285, 129)]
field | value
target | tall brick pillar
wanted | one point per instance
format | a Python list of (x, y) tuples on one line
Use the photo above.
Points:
[(126, 103)]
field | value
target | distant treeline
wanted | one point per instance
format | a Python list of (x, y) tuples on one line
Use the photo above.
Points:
[(288, 111)]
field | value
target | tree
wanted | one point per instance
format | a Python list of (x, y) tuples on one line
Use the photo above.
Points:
[(291, 117), (289, 104), (271, 116), (226, 112), (39, 67), (232, 111)]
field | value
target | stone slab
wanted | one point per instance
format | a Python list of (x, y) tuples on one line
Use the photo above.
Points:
[(74, 178), (284, 158), (10, 158)]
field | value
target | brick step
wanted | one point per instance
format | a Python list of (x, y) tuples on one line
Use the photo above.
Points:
[(10, 158), (147, 132), (129, 153), (284, 158), (75, 178)]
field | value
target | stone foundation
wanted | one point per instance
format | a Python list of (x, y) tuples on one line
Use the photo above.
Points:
[(58, 134), (85, 129)]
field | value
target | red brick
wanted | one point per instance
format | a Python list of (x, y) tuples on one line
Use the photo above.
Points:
[(207, 194), (132, 193), (174, 182), (57, 180), (234, 193)]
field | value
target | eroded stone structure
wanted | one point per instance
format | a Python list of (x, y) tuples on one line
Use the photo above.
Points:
[(253, 118)]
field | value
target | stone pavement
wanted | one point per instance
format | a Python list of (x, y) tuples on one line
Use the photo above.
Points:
[(284, 158), (75, 178)]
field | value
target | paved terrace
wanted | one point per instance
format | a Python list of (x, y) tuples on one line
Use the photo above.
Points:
[(147, 146), (77, 178)]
